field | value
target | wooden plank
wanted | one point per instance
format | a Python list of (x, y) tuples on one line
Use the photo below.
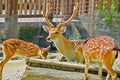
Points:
[(21, 4), (39, 6), (108, 7), (1, 6), (70, 7), (90, 7), (30, 16), (65, 7), (44, 7), (8, 7), (15, 7), (46, 1), (62, 65), (83, 6), (54, 6), (30, 7), (25, 7), (101, 8), (57, 7), (62, 7), (35, 7), (80, 7)]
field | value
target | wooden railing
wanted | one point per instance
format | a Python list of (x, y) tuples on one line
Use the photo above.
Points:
[(29, 8)]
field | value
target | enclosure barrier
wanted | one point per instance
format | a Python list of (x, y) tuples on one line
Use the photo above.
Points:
[(34, 8), (73, 67)]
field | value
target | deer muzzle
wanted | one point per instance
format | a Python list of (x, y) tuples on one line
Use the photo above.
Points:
[(48, 39)]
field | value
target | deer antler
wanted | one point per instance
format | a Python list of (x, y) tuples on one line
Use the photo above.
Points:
[(48, 9), (75, 10)]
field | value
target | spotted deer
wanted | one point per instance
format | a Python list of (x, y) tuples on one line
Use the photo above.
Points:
[(12, 47), (100, 49), (63, 45)]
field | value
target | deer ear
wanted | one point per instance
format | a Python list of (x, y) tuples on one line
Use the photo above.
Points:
[(63, 29), (46, 28)]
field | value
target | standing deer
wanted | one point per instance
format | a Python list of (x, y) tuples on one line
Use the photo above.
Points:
[(100, 49), (13, 47), (64, 46)]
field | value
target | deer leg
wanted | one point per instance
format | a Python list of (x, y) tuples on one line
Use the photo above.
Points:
[(110, 71), (108, 64), (86, 69), (108, 77), (7, 56), (79, 57), (62, 59), (3, 62), (100, 70)]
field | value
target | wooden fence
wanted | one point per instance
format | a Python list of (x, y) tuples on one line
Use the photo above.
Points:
[(29, 8), (60, 7), (14, 9)]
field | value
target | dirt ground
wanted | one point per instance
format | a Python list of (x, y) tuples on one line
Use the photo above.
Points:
[(52, 74), (16, 70)]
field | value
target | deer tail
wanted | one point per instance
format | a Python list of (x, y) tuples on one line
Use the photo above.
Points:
[(117, 50)]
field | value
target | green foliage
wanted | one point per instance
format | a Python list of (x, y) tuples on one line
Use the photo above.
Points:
[(109, 17), (27, 33)]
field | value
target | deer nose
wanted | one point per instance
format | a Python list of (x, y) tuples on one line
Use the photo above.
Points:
[(48, 38)]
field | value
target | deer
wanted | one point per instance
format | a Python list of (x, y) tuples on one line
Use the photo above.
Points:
[(100, 49), (12, 47), (63, 45)]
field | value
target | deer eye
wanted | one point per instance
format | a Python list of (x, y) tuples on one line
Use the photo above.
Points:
[(56, 32)]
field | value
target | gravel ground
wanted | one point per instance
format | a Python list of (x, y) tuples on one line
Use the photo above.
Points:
[(14, 70), (52, 74)]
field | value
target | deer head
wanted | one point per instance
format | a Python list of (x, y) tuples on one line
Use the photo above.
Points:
[(56, 32)]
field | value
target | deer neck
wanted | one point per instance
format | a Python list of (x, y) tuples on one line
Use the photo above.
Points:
[(62, 43), (65, 47)]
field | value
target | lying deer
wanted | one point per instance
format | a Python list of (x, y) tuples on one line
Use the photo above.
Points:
[(100, 49), (13, 47), (63, 45)]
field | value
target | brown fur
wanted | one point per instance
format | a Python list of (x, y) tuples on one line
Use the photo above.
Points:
[(63, 45), (13, 47), (66, 47), (100, 49)]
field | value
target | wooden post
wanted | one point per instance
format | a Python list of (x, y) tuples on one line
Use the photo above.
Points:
[(25, 7), (11, 19), (35, 7), (91, 24), (39, 6), (62, 7), (108, 7), (70, 6), (21, 3), (79, 12), (8, 7), (57, 7), (1, 6), (30, 7), (101, 8), (83, 6)]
